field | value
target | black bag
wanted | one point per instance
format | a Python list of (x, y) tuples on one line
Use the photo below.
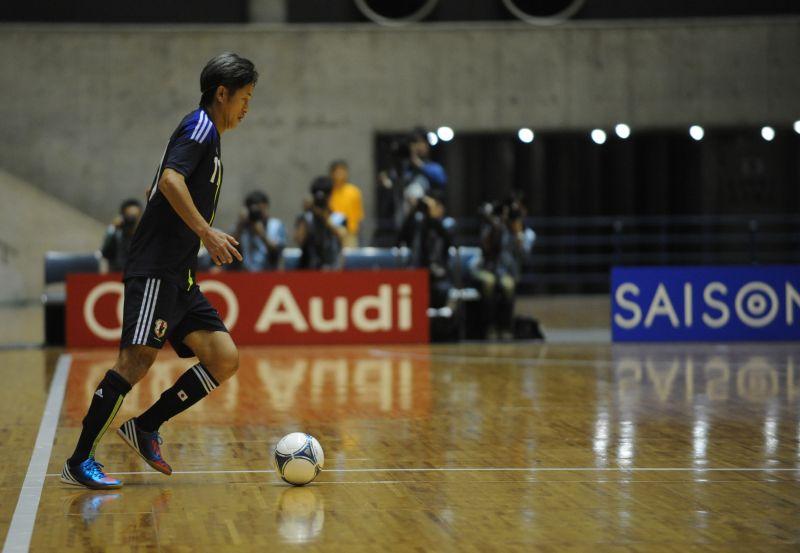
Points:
[(527, 328)]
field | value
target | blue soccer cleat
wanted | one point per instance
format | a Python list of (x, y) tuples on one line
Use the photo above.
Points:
[(146, 444), (88, 474)]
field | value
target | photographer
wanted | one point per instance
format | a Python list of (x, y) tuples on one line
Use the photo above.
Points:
[(505, 243), (261, 237), (412, 174), (320, 232), (425, 232), (119, 234)]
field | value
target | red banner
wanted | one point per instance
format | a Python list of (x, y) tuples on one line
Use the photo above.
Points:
[(304, 307)]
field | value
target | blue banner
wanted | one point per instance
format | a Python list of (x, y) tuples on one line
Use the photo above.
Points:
[(705, 304)]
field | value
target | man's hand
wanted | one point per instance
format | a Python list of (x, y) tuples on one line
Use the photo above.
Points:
[(221, 247), (383, 178)]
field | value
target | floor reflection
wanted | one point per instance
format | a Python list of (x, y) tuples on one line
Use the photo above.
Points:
[(300, 515), (272, 383), (715, 373), (737, 403), (88, 504)]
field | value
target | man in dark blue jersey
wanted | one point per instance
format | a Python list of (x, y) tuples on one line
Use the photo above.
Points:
[(162, 300)]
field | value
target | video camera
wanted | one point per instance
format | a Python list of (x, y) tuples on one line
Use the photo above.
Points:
[(321, 189)]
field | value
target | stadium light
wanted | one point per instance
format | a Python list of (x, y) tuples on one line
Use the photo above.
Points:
[(623, 131), (767, 133), (446, 134), (697, 132), (525, 135), (433, 140), (598, 136), (797, 126)]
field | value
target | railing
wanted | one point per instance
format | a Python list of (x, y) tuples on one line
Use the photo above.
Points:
[(575, 254)]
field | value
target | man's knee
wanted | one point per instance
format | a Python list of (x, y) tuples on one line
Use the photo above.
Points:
[(134, 362), (223, 362), (509, 285), (488, 280)]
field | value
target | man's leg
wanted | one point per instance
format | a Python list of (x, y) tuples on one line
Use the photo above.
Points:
[(488, 283), (507, 287), (219, 360), (132, 364)]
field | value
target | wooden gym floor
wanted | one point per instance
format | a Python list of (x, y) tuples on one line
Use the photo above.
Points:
[(526, 447)]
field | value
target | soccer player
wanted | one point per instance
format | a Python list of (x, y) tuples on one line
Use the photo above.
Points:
[(162, 300)]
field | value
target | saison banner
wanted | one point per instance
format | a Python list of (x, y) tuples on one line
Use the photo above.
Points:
[(710, 304)]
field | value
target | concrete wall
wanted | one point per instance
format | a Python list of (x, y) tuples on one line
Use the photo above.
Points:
[(86, 112), (31, 223)]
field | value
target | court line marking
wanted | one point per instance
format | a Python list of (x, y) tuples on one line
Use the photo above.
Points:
[(20, 530), (482, 469)]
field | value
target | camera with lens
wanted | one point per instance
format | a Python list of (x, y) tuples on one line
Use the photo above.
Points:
[(129, 221), (320, 199), (400, 149), (321, 189), (254, 214)]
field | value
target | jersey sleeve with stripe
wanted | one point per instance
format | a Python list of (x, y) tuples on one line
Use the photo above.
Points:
[(189, 146)]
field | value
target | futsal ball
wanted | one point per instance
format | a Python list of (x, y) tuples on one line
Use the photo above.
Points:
[(298, 458)]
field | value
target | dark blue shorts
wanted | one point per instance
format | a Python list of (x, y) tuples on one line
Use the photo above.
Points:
[(157, 311)]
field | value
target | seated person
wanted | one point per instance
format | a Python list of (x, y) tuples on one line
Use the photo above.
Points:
[(118, 236), (425, 232), (320, 232), (505, 243), (261, 237)]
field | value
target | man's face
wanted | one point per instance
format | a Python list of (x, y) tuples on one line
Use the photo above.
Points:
[(420, 147), (235, 106), (131, 214), (339, 174)]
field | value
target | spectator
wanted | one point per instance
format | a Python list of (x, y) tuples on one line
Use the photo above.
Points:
[(119, 234), (411, 176), (261, 237), (432, 174), (505, 242), (426, 233), (319, 232), (346, 199)]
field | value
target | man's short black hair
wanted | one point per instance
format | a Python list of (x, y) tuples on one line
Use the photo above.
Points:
[(256, 197), (336, 163), (229, 70), (418, 134), (130, 202)]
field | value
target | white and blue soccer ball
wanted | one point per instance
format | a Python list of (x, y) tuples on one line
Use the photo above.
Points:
[(298, 458)]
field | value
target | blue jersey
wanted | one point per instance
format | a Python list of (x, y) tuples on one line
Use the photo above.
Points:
[(163, 245)]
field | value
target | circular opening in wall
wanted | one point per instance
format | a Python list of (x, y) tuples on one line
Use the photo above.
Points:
[(543, 12), (396, 12)]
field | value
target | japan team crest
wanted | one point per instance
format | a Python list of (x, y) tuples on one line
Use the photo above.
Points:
[(160, 328)]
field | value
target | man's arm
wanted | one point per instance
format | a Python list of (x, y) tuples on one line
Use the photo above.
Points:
[(109, 248), (220, 246)]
